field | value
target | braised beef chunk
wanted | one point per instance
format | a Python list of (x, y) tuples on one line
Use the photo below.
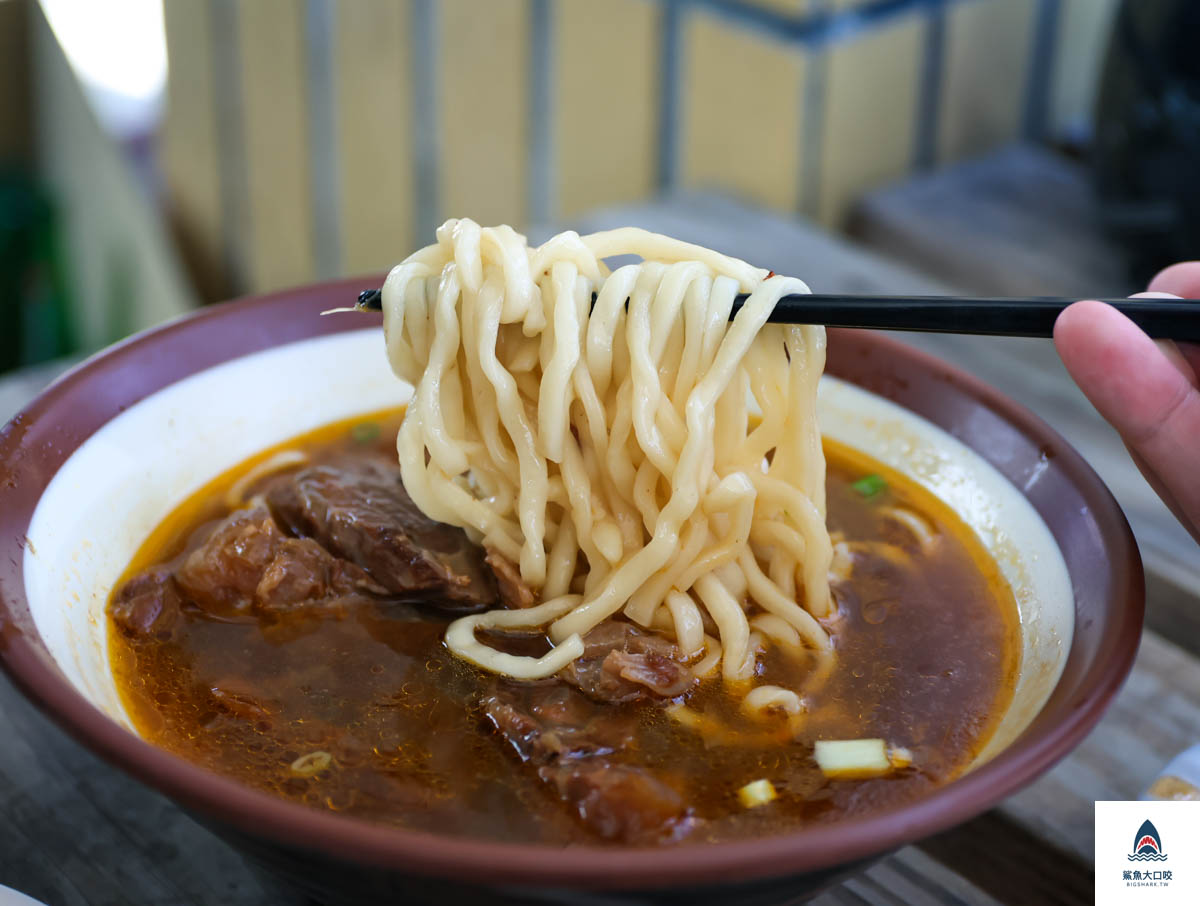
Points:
[(247, 566), (239, 698), (147, 606), (621, 802), (622, 663), (359, 510), (514, 592), (572, 741), (547, 721)]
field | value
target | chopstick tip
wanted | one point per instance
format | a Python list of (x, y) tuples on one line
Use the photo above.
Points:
[(370, 300)]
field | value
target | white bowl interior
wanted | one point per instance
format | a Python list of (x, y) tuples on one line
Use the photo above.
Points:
[(1000, 516), (115, 489)]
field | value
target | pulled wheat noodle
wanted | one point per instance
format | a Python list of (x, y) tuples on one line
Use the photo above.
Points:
[(917, 525), (235, 497), (643, 455), (772, 698)]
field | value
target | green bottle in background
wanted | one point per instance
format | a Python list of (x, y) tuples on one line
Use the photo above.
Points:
[(34, 303)]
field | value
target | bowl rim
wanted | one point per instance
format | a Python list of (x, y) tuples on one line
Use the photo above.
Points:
[(206, 338)]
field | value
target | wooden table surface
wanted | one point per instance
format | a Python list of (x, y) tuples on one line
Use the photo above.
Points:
[(75, 831)]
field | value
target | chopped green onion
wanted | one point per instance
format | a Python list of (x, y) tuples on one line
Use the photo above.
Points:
[(364, 432), (852, 759), (870, 485), (859, 759)]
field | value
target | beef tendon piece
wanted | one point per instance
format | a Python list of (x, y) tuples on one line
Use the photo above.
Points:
[(515, 594), (574, 743), (360, 511), (239, 698), (147, 606), (622, 663), (621, 803), (550, 720), (249, 567)]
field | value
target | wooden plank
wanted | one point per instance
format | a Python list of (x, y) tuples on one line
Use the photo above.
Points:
[(375, 128), (988, 47), (275, 126), (1154, 718), (190, 149), (788, 245), (742, 102), (1020, 221), (907, 877), (605, 129), (870, 115), (997, 854), (484, 106), (1083, 36), (1172, 599)]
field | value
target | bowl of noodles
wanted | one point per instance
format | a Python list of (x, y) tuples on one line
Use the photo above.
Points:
[(562, 577)]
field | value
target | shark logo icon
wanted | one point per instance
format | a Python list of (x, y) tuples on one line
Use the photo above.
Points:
[(1147, 845)]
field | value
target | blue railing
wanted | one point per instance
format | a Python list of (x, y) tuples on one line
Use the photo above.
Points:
[(815, 32)]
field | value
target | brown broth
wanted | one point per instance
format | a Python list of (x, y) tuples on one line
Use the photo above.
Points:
[(927, 659)]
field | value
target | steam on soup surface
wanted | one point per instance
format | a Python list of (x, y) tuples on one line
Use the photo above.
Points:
[(285, 627)]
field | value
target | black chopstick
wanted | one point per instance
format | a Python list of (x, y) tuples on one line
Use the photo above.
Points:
[(1175, 319)]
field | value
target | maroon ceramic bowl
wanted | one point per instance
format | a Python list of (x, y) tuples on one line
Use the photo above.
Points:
[(339, 859)]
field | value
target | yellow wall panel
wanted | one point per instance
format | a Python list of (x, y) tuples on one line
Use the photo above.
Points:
[(870, 109), (988, 46), (191, 156), (742, 100), (1083, 36), (375, 125), (741, 107), (484, 109), (605, 127), (275, 126)]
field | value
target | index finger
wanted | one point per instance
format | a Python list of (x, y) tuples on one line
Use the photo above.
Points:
[(1133, 384)]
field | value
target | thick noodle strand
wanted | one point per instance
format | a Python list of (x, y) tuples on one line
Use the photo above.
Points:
[(641, 454)]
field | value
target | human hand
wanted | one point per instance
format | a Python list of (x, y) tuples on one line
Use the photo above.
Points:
[(1149, 391)]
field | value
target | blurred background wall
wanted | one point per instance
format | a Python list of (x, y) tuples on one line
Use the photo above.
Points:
[(183, 152), (309, 138)]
